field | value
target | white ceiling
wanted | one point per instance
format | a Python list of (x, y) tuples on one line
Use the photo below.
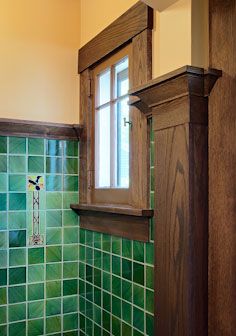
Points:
[(159, 5)]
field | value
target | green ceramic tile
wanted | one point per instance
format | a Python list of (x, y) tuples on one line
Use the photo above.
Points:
[(3, 277), (36, 255), (53, 165), (127, 248), (116, 245), (36, 273), (97, 240), (3, 296), (70, 253), (138, 319), (116, 306), (3, 258), (17, 220), (138, 273), (3, 144), (17, 257), (36, 327), (17, 275), (54, 147), (97, 259), (3, 202), (149, 325), (106, 262), (138, 296), (53, 307), (17, 312), (3, 239), (127, 269), (54, 183), (71, 148), (116, 286), (54, 218), (70, 270), (106, 300), (54, 236), (17, 201), (70, 287), (3, 163), (53, 289), (17, 329), (53, 254), (53, 271), (35, 146), (106, 281), (70, 235), (36, 291), (138, 251), (70, 304), (17, 294), (70, 218), (149, 277), (150, 301), (3, 330), (35, 309), (97, 314), (116, 326), (69, 198), (17, 145), (3, 182), (3, 314), (3, 221), (17, 183), (149, 253), (70, 183), (106, 321), (70, 321), (126, 330), (54, 200), (70, 166), (53, 324), (17, 164), (36, 164), (116, 265)]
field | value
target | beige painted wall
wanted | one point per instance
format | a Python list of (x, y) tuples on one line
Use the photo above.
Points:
[(39, 40)]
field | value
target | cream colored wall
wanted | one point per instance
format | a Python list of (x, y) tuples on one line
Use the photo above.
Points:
[(39, 40)]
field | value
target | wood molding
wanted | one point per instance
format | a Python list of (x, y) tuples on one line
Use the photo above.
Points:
[(178, 103), (121, 31), (37, 129)]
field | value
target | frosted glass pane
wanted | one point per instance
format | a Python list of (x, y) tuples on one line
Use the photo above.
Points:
[(122, 78), (102, 147), (104, 87)]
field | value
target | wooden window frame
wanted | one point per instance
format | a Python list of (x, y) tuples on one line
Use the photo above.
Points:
[(130, 220)]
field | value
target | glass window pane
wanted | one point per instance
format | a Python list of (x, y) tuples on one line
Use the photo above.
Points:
[(122, 78), (104, 87), (122, 111)]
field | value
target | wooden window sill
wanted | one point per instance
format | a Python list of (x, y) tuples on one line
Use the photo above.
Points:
[(122, 221)]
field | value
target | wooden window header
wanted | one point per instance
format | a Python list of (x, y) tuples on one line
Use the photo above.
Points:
[(121, 31)]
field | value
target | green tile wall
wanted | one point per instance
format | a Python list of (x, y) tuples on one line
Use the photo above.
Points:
[(77, 282)]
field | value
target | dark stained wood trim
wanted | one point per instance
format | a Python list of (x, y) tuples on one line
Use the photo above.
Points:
[(131, 23), (36, 129), (222, 171)]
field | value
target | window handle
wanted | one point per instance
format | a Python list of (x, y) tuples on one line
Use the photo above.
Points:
[(127, 122)]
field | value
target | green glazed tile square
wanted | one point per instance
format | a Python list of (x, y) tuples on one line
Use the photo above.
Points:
[(106, 300), (116, 286), (17, 220), (3, 315), (71, 148), (3, 144), (116, 326), (17, 329), (150, 301), (137, 333), (138, 251), (70, 218), (3, 258), (116, 306), (81, 270), (3, 182), (70, 304), (17, 145), (126, 329), (89, 238), (54, 218), (138, 319), (3, 239), (70, 321), (106, 281), (17, 312), (116, 265), (54, 147), (17, 238), (3, 330), (70, 198), (36, 327), (70, 287), (54, 200), (35, 146), (36, 273), (53, 236), (70, 166), (54, 183), (17, 275), (17, 164), (97, 314), (97, 259), (127, 248), (70, 235), (97, 239), (17, 294), (3, 277), (70, 253), (17, 201), (53, 254), (106, 262), (17, 183), (71, 183), (127, 269), (3, 296), (106, 242), (97, 277), (3, 202), (89, 273), (53, 289), (3, 221), (36, 292), (53, 324), (138, 296), (149, 277), (97, 331), (149, 325), (89, 255), (36, 255), (149, 253), (35, 309), (116, 245), (17, 257), (126, 312), (53, 165), (3, 163), (53, 271), (106, 321), (82, 253), (53, 307), (36, 164), (127, 290), (70, 270), (138, 273)]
